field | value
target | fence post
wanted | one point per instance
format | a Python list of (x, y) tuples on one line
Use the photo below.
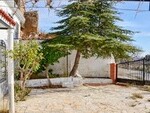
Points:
[(143, 71), (113, 72)]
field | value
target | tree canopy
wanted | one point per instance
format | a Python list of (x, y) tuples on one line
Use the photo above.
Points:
[(90, 28)]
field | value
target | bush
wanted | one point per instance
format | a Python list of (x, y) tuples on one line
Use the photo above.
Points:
[(27, 58), (20, 94)]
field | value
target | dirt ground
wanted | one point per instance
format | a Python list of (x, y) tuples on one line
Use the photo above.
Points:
[(87, 99)]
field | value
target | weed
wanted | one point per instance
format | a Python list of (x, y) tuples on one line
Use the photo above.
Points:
[(132, 105), (136, 95), (146, 88), (148, 100)]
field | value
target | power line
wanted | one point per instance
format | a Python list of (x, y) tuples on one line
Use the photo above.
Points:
[(37, 7), (42, 7), (133, 10), (32, 5)]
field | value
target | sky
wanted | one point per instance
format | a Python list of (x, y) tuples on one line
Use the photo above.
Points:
[(135, 15)]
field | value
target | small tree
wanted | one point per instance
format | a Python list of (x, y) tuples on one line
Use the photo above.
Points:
[(27, 58), (90, 28)]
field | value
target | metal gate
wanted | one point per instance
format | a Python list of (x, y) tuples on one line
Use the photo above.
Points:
[(2, 61), (137, 71)]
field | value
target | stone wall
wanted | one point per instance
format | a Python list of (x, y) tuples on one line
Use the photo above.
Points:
[(31, 24)]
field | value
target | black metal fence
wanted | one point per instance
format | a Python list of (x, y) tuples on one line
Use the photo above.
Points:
[(137, 71), (2, 61)]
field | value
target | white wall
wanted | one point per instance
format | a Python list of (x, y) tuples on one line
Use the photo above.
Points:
[(92, 67), (3, 34), (55, 81)]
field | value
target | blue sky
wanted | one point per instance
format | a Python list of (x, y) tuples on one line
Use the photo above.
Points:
[(133, 20), (137, 21)]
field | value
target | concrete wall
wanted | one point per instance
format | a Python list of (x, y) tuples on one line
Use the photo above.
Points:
[(3, 35), (65, 82), (91, 67)]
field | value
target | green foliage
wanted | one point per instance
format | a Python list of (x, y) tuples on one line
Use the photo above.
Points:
[(90, 28), (52, 52), (55, 76), (20, 94), (27, 57), (27, 54)]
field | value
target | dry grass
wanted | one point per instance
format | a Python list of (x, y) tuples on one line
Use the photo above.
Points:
[(146, 88), (148, 100), (126, 84), (133, 105), (136, 96), (4, 111)]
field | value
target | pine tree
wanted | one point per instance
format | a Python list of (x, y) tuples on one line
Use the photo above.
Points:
[(90, 27)]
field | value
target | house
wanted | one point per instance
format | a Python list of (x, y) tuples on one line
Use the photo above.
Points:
[(11, 20)]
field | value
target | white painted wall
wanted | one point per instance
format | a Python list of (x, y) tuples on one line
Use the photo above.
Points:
[(64, 81), (3, 35), (92, 67)]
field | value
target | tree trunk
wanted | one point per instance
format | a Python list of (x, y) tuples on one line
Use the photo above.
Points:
[(46, 74), (22, 81), (23, 84), (76, 64)]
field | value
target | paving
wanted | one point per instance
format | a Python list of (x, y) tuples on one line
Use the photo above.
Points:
[(86, 99)]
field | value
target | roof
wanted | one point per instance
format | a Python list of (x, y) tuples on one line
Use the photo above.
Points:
[(6, 18), (18, 13)]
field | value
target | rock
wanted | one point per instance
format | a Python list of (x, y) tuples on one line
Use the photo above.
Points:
[(67, 84)]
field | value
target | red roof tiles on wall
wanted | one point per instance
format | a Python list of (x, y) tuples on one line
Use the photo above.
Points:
[(7, 17)]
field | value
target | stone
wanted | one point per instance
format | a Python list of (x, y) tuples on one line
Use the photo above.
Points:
[(67, 84)]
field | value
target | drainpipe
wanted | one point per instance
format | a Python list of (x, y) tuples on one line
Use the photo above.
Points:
[(11, 72)]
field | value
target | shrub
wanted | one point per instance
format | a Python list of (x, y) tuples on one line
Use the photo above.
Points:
[(20, 94), (27, 57)]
